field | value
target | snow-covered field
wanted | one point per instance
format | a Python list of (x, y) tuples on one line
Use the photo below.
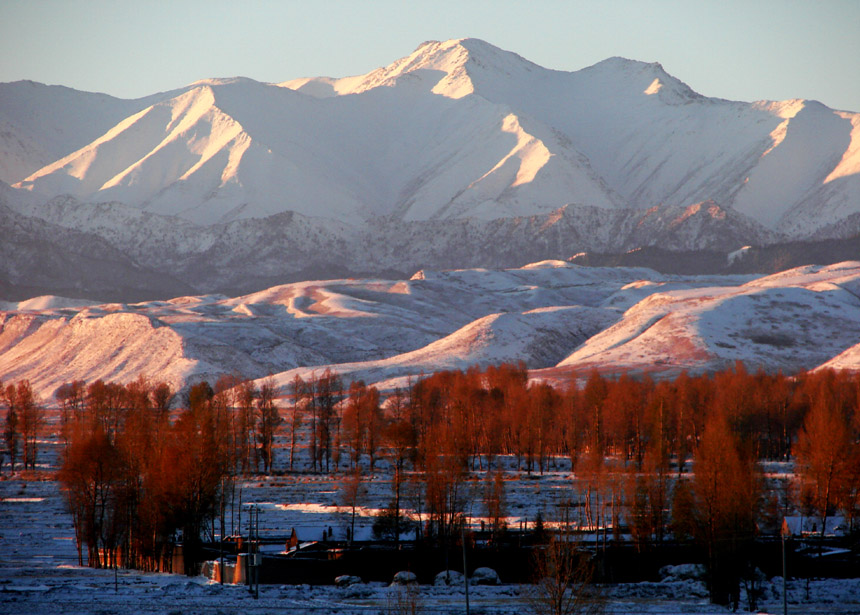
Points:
[(39, 573)]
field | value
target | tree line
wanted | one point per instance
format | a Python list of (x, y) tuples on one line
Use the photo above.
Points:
[(655, 457), (139, 475)]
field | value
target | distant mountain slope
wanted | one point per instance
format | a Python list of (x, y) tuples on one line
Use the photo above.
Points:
[(40, 258), (458, 155), (246, 255), (40, 123), (464, 129), (791, 321), (562, 320)]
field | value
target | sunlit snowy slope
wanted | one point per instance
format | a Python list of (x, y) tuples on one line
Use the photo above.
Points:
[(560, 319), (456, 129), (40, 124), (790, 321), (458, 145)]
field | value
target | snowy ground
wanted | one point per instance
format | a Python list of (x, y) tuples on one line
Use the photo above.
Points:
[(39, 572)]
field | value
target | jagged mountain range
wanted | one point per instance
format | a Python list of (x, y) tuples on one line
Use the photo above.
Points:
[(458, 155)]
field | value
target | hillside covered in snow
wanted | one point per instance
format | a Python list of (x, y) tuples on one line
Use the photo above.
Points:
[(562, 320), (458, 155)]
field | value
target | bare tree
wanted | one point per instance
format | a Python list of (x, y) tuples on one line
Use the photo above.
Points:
[(245, 425), (71, 397), (352, 492), (268, 421), (25, 410), (327, 393), (10, 429), (494, 502), (563, 575), (298, 393)]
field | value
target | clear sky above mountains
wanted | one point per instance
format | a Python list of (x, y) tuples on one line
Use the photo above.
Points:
[(737, 49)]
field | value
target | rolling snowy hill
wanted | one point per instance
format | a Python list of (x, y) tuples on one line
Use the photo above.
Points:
[(457, 155), (561, 319), (790, 321)]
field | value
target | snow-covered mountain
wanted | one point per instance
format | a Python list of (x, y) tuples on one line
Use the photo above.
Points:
[(458, 155), (40, 124), (245, 255), (791, 321), (561, 319)]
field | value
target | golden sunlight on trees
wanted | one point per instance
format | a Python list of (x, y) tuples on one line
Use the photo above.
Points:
[(133, 480), (725, 506), (136, 477), (825, 455), (362, 423)]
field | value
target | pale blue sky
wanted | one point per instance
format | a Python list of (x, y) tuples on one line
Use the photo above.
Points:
[(736, 49)]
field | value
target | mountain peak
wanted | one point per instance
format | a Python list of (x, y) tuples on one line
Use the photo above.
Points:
[(648, 77), (216, 81), (474, 47), (449, 67)]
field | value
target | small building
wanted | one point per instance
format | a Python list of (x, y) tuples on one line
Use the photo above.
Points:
[(800, 526), (301, 537)]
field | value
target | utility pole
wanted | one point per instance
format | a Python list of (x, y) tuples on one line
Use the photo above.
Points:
[(248, 560), (258, 557), (465, 569), (783, 531), (255, 558)]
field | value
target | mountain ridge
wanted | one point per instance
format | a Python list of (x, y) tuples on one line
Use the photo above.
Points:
[(551, 152), (413, 165)]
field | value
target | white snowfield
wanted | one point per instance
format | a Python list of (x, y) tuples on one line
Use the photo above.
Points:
[(39, 574), (560, 319), (457, 129)]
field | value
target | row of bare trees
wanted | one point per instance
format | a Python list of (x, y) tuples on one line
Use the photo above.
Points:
[(631, 443), (814, 418), (139, 476), (135, 475), (24, 423)]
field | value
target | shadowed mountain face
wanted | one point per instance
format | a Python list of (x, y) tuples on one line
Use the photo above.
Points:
[(457, 155), (40, 258)]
